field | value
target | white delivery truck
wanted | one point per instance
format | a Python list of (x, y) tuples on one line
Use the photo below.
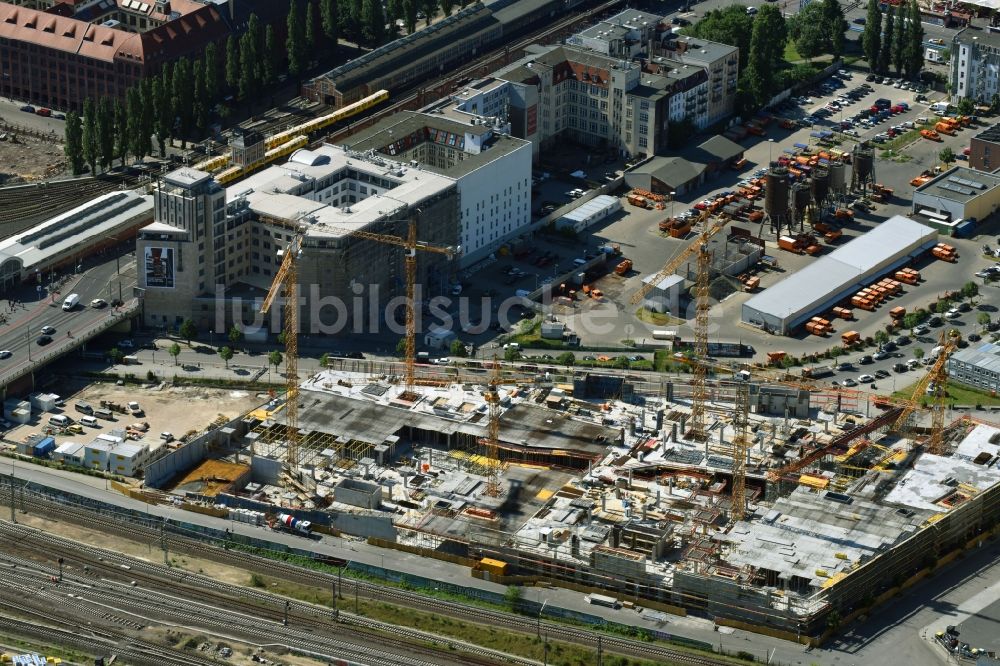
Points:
[(71, 302)]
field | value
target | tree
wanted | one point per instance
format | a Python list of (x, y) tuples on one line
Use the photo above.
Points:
[(511, 354), (106, 131), (249, 65), (175, 351), (309, 34), (871, 38), (970, 289), (324, 360), (91, 140), (295, 41), (885, 53), (759, 74), (235, 335), (202, 107), (394, 12), (430, 9), (881, 337), (115, 355), (401, 347), (966, 106), (984, 319), (188, 330), (447, 6), (232, 63), (184, 97), (622, 362), (913, 53), (328, 21), (899, 40), (275, 358), (270, 59), (121, 131), (348, 17), (458, 348), (213, 76), (225, 353), (372, 22), (918, 353), (731, 25), (835, 26), (164, 124), (947, 156), (410, 15), (566, 358), (772, 24), (942, 306), (73, 146), (134, 123), (512, 597), (148, 115)]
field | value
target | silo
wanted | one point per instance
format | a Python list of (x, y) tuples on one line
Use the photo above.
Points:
[(801, 196), (864, 167), (838, 177), (776, 196), (820, 185)]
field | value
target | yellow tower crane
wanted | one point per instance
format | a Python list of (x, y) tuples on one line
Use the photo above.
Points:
[(702, 307), (492, 441), (741, 445), (286, 279), (936, 379)]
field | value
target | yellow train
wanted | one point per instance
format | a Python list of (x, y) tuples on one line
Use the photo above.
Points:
[(234, 172), (325, 121), (212, 163)]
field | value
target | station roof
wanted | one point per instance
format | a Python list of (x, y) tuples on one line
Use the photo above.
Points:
[(64, 234)]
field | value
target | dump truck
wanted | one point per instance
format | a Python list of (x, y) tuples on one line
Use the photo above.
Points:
[(930, 134), (850, 337), (943, 128), (637, 201), (817, 372), (830, 233), (897, 312), (623, 267)]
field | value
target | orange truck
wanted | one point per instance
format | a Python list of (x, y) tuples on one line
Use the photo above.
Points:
[(843, 313), (908, 276), (930, 134), (945, 252), (897, 312), (638, 201), (944, 128), (850, 338), (623, 267)]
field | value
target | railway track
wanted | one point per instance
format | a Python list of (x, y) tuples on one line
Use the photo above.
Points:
[(260, 615), (374, 591)]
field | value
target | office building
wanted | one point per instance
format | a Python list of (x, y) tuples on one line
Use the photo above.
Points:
[(977, 366), (956, 195), (212, 253), (984, 149)]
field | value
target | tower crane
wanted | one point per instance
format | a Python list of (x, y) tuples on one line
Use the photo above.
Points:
[(702, 306), (492, 441), (286, 279), (411, 246), (936, 377)]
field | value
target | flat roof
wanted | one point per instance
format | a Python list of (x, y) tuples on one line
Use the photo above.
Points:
[(972, 37), (985, 356), (991, 133), (665, 283), (846, 266), (960, 184), (705, 50), (595, 205), (274, 192), (186, 177), (93, 221)]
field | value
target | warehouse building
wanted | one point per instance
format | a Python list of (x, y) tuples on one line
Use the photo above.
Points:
[(956, 195), (828, 280)]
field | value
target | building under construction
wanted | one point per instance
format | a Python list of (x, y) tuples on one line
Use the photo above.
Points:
[(612, 495)]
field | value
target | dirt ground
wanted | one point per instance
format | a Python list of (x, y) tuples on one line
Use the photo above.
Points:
[(25, 158), (174, 409), (175, 638)]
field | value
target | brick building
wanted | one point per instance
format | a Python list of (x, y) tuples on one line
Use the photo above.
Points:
[(57, 53)]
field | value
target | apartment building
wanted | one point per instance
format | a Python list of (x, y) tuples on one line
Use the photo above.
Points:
[(984, 149), (975, 65), (720, 61)]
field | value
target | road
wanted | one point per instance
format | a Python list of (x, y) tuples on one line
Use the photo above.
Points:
[(111, 278)]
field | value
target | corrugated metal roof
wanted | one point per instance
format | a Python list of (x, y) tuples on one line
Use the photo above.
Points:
[(895, 238)]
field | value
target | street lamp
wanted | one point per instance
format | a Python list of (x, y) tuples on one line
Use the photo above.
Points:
[(672, 195), (770, 143)]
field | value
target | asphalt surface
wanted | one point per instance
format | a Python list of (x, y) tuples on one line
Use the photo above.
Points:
[(22, 329)]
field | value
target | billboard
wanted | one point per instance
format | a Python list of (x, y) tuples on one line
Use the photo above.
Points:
[(158, 263)]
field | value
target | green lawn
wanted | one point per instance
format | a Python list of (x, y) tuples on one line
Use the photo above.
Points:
[(791, 54), (657, 318), (958, 394)]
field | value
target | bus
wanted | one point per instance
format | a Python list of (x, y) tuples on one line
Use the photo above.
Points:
[(602, 600)]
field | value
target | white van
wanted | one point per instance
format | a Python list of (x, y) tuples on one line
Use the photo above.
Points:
[(71, 302), (60, 420), (939, 107), (89, 421), (661, 334)]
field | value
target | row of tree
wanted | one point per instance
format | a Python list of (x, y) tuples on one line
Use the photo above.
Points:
[(819, 28), (895, 42)]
